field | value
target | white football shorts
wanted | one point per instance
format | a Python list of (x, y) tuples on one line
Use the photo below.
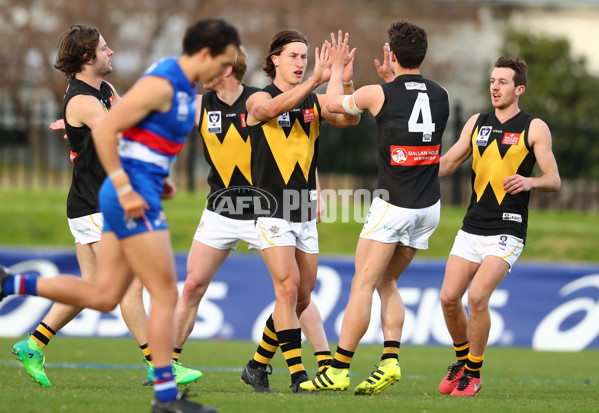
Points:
[(224, 233), (87, 229), (475, 248), (276, 232), (388, 223)]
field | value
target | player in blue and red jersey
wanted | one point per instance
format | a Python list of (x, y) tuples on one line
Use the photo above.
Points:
[(154, 118)]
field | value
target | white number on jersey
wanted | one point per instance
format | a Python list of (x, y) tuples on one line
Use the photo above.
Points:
[(426, 127)]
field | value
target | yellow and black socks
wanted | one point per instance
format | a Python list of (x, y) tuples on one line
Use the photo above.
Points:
[(473, 365), (42, 335), (324, 359), (342, 358), (177, 354), (146, 351), (291, 346), (461, 351), (268, 346), (390, 350)]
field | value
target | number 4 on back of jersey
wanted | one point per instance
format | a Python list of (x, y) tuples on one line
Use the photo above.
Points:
[(422, 110)]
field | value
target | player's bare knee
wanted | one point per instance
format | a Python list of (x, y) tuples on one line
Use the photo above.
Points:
[(193, 290), (302, 304), (450, 302), (477, 302)]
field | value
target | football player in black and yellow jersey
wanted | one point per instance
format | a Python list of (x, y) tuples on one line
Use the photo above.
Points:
[(284, 123), (229, 217), (411, 113), (505, 144)]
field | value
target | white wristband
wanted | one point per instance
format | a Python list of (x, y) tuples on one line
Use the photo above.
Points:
[(351, 82), (125, 189), (117, 172)]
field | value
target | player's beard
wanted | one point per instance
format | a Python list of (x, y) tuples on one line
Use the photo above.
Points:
[(104, 70)]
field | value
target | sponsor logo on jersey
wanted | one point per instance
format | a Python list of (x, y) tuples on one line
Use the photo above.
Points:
[(215, 122), (507, 216), (415, 86), (309, 115), (483, 135), (415, 155), (284, 121), (510, 138)]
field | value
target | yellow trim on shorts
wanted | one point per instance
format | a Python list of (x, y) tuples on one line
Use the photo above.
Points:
[(91, 217), (264, 236), (377, 224), (513, 251)]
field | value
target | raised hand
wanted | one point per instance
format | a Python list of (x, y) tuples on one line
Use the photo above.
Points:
[(384, 71), (322, 63)]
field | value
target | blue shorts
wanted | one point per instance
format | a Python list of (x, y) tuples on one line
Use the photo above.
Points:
[(150, 188)]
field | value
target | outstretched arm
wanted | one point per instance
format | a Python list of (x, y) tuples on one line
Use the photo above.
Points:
[(262, 107), (459, 152)]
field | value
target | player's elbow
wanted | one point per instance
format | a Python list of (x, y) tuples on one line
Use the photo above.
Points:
[(334, 107), (557, 184)]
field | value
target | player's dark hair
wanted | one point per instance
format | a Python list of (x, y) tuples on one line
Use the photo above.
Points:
[(409, 43), (277, 44), (76, 47), (518, 66), (216, 34), (240, 64)]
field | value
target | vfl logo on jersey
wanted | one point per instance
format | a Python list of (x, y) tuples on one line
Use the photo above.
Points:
[(284, 121), (111, 100), (242, 118), (415, 86), (483, 135), (510, 138), (309, 115), (72, 156), (512, 217), (215, 122), (415, 155)]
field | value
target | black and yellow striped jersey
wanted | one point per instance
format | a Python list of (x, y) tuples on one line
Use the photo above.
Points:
[(228, 152), (499, 150), (284, 155)]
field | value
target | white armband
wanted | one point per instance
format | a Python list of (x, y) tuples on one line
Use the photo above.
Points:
[(349, 105)]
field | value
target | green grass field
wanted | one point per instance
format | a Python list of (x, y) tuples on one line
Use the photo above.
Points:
[(37, 218), (105, 375)]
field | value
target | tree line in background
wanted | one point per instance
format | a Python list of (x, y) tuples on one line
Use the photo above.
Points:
[(561, 89)]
